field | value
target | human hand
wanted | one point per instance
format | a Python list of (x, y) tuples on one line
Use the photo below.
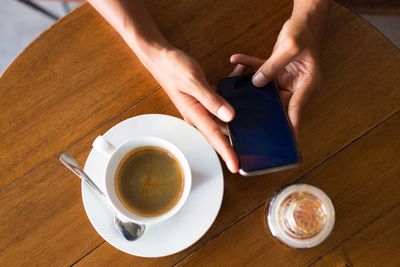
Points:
[(185, 83), (294, 63)]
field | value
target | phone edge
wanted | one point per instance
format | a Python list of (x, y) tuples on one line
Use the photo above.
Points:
[(275, 169)]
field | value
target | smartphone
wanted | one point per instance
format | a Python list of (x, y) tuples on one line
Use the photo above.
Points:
[(260, 133)]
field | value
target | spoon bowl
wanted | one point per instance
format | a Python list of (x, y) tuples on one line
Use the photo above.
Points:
[(130, 230)]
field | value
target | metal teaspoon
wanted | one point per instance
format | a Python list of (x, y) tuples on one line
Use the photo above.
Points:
[(130, 230)]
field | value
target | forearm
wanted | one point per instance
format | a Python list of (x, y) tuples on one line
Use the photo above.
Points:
[(314, 13), (133, 21)]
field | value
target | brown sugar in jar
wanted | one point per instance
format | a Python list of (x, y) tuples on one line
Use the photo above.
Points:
[(300, 216)]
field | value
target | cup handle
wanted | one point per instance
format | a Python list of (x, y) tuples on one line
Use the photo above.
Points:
[(103, 146)]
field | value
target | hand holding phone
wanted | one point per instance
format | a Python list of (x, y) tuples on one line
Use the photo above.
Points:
[(260, 133)]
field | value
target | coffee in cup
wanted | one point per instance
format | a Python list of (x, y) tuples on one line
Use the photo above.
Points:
[(149, 181), (146, 179)]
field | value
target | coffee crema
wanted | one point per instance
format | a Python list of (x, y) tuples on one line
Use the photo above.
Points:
[(149, 181)]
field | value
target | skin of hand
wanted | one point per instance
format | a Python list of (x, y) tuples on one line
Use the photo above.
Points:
[(179, 75), (184, 81), (294, 63)]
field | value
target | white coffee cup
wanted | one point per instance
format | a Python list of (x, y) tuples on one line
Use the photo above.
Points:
[(116, 154)]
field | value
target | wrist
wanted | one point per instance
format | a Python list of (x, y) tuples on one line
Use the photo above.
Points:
[(150, 51), (311, 14), (143, 36)]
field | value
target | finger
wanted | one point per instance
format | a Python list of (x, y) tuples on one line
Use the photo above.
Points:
[(285, 96), (294, 114), (238, 70), (278, 60), (297, 104), (214, 103), (223, 127), (210, 129), (252, 62)]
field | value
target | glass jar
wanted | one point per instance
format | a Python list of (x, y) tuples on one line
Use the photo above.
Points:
[(300, 216)]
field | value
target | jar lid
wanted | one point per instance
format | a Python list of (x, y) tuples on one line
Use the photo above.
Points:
[(301, 216)]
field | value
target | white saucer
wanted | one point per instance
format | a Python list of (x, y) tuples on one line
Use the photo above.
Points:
[(200, 209)]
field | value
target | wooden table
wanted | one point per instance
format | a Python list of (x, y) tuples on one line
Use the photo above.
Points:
[(78, 79)]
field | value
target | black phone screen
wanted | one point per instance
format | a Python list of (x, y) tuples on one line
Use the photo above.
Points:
[(260, 132)]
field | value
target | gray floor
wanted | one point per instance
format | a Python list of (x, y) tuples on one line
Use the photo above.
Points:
[(388, 25), (20, 25)]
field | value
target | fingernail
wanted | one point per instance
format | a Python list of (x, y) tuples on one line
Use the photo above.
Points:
[(225, 113), (230, 167), (259, 79)]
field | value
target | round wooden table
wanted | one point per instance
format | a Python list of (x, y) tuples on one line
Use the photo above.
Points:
[(78, 79)]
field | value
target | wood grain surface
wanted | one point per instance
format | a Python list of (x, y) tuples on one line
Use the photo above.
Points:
[(78, 79)]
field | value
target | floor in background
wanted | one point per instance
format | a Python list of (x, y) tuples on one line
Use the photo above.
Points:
[(20, 25), (388, 25)]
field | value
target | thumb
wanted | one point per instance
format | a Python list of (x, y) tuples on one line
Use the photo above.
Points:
[(278, 60)]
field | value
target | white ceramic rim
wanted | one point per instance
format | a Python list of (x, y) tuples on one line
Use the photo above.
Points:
[(193, 220), (112, 165), (277, 231)]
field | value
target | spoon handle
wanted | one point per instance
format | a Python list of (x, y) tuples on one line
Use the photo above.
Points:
[(74, 166)]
